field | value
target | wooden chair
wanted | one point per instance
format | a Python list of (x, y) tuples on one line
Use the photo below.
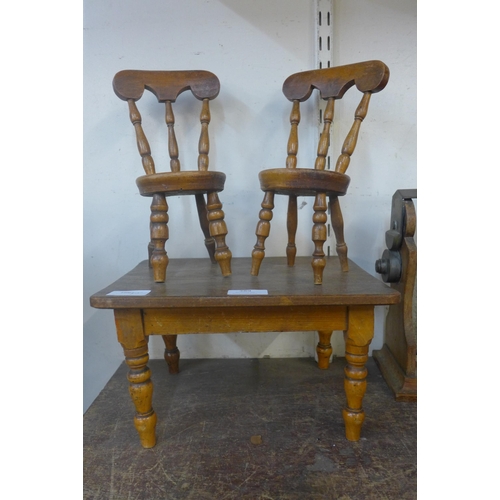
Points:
[(332, 83), (129, 85)]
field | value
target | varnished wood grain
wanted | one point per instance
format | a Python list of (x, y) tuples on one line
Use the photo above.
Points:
[(324, 348), (201, 207), (165, 85), (303, 181), (358, 337), (369, 76), (291, 227), (293, 140), (332, 83), (319, 236), (352, 137), (129, 85), (141, 139), (182, 320), (324, 140), (173, 148), (337, 221), (262, 231), (204, 142), (172, 353), (195, 301), (181, 183), (218, 231), (158, 258), (196, 283), (131, 336)]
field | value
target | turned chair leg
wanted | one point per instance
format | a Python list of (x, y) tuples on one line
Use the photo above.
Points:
[(262, 231), (150, 252), (203, 216), (218, 231), (338, 229), (171, 353), (291, 225), (319, 237), (159, 236)]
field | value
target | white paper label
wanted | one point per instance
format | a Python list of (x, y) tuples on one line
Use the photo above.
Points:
[(129, 292), (247, 292)]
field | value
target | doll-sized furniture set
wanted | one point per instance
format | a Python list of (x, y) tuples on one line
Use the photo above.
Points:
[(246, 294)]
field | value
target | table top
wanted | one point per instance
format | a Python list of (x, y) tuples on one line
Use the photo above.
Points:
[(199, 283)]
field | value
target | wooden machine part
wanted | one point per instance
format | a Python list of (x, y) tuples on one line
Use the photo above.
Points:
[(397, 359)]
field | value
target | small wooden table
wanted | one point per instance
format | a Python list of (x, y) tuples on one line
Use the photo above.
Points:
[(195, 298)]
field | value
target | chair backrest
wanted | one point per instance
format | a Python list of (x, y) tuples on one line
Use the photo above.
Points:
[(332, 83), (129, 85)]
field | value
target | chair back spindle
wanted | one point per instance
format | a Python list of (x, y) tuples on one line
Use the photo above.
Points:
[(173, 149), (293, 140), (324, 140), (332, 83), (204, 143), (142, 142), (129, 85), (352, 137)]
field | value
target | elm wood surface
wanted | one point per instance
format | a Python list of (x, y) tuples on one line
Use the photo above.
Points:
[(129, 85), (195, 300), (209, 415), (326, 186)]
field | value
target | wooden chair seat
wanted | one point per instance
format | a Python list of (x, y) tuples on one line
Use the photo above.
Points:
[(326, 186), (181, 183), (303, 182), (129, 85)]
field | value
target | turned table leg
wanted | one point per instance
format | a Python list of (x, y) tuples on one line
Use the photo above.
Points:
[(357, 338), (135, 347), (324, 349), (171, 353)]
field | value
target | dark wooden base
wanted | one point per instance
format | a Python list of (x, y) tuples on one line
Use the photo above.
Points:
[(403, 387)]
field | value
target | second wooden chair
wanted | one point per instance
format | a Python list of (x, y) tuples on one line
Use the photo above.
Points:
[(129, 85), (332, 83)]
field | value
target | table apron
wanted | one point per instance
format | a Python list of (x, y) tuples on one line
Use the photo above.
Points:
[(179, 320)]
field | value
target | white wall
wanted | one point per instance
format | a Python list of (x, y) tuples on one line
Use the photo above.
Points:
[(252, 47)]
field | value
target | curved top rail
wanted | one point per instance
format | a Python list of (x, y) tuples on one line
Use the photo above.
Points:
[(165, 85), (368, 76)]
